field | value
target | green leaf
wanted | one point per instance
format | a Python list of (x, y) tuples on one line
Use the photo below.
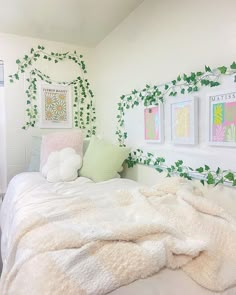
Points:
[(18, 61), (166, 87), (229, 176), (199, 74), (233, 66), (200, 169), (222, 69), (207, 168), (179, 78), (158, 169), (202, 182), (173, 82), (182, 91), (190, 89), (207, 69)]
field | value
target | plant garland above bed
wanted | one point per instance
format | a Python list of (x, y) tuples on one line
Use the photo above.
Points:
[(153, 95), (83, 107)]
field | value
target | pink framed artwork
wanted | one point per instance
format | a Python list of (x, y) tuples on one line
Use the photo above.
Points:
[(222, 119), (153, 124)]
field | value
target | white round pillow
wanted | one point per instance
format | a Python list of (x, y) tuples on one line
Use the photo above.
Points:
[(62, 165)]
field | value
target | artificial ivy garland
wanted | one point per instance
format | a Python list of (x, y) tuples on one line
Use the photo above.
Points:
[(153, 95), (83, 108)]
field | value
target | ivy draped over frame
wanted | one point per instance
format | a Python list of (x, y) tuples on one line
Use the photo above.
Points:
[(84, 113), (153, 95)]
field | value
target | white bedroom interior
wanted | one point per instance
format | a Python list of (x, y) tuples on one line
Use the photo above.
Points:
[(126, 44)]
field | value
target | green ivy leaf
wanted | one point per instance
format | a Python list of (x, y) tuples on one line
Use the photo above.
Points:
[(233, 66), (182, 91), (202, 182), (207, 168), (207, 69), (229, 176), (200, 169), (222, 69)]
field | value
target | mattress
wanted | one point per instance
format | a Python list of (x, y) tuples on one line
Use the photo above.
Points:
[(165, 282)]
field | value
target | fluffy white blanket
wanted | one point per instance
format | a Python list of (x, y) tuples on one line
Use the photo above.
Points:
[(95, 245)]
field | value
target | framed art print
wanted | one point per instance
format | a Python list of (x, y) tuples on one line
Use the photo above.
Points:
[(222, 119), (55, 106), (153, 124), (184, 120)]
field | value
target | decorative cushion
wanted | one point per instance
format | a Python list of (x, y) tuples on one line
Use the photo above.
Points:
[(35, 154), (102, 160), (62, 165), (56, 141)]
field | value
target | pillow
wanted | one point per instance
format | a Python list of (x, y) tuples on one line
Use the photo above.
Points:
[(102, 160), (56, 141), (35, 154), (62, 165)]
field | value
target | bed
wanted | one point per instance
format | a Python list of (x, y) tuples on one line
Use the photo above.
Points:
[(43, 251)]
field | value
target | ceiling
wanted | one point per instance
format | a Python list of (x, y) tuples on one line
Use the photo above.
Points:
[(82, 22)]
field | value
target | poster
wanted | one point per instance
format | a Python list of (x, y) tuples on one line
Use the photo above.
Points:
[(183, 114), (153, 123), (56, 109), (222, 119)]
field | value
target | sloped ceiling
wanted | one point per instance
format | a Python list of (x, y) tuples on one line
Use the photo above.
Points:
[(82, 22)]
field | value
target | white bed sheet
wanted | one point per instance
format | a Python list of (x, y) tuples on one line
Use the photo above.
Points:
[(166, 282)]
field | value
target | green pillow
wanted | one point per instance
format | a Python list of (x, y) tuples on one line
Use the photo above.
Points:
[(102, 160)]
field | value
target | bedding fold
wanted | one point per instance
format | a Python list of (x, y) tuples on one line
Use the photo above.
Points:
[(65, 243)]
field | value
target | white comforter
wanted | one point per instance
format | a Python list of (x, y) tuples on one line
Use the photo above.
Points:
[(30, 195)]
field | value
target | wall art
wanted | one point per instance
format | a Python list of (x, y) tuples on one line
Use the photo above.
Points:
[(55, 106), (222, 119), (153, 124), (84, 112), (185, 84), (184, 120)]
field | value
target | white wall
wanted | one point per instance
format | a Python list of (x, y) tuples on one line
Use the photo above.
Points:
[(159, 40), (11, 48)]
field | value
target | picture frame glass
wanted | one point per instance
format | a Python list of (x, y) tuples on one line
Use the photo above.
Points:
[(222, 119), (183, 115), (56, 106), (153, 124)]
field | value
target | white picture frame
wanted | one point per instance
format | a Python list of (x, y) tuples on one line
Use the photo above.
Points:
[(154, 124), (221, 108), (184, 120), (55, 106)]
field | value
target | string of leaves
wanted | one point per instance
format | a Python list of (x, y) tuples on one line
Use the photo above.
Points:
[(84, 113), (204, 173), (153, 95)]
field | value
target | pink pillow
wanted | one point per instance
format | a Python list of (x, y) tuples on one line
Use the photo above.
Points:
[(60, 140)]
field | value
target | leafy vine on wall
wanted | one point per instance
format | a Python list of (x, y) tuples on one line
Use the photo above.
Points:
[(153, 95), (84, 113)]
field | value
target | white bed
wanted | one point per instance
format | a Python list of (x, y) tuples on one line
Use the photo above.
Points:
[(16, 207)]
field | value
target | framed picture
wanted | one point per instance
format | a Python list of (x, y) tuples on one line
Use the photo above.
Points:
[(153, 124), (55, 106), (184, 120), (222, 119)]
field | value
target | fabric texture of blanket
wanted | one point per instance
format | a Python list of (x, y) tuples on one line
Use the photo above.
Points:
[(95, 245)]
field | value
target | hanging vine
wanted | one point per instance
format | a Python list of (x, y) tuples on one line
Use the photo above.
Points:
[(84, 113), (183, 84), (153, 95)]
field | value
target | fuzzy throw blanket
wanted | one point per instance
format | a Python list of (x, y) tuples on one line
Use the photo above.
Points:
[(95, 245)]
